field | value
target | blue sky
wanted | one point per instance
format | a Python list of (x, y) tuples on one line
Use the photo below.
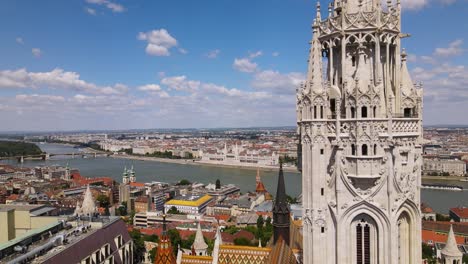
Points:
[(121, 64)]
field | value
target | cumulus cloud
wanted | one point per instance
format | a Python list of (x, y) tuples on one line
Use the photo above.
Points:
[(277, 82), (114, 7), (275, 54), (183, 51), (454, 48), (19, 40), (36, 52), (180, 83), (244, 65), (213, 54), (159, 42), (55, 79)]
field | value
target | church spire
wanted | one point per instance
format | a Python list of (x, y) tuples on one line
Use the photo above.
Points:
[(88, 207), (199, 243), (218, 242), (165, 254), (281, 217), (451, 251)]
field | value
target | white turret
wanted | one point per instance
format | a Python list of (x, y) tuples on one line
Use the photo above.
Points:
[(200, 246), (451, 253)]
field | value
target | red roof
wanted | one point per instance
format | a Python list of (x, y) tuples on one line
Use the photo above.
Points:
[(431, 237), (12, 197), (137, 184), (461, 212)]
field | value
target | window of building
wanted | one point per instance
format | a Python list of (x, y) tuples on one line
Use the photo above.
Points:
[(333, 108), (353, 149), (353, 60), (322, 229), (407, 112), (364, 112), (321, 112), (321, 151), (375, 149), (364, 150), (353, 112), (365, 240), (315, 111), (374, 111), (322, 191)]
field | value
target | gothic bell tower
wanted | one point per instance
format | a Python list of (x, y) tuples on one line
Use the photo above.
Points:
[(359, 119)]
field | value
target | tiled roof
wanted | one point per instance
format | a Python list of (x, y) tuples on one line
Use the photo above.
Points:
[(196, 203), (461, 212)]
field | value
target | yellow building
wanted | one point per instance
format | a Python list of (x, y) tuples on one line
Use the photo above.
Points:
[(16, 220), (189, 204)]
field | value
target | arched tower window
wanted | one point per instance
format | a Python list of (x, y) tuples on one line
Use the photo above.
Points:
[(353, 60), (321, 111), (365, 236), (374, 111), (315, 111), (375, 149), (364, 112), (353, 149), (353, 112), (364, 151)]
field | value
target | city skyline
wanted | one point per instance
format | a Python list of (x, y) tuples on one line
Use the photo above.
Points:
[(100, 64)]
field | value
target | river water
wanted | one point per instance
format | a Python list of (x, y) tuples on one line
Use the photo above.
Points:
[(147, 171)]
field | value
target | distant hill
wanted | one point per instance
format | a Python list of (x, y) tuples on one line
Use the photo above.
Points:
[(17, 148)]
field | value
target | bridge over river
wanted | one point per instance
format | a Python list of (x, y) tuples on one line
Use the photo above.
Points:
[(46, 156)]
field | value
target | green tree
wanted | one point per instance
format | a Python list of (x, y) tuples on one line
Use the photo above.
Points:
[(428, 253), (184, 182), (103, 200), (242, 241), (441, 217), (218, 184), (174, 236), (173, 210)]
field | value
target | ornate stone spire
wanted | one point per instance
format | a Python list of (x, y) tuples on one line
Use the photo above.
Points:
[(281, 213), (451, 249), (132, 175), (199, 243), (164, 255), (407, 86), (218, 242), (315, 61), (88, 207)]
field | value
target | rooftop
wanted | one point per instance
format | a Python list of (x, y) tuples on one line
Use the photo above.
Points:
[(190, 200)]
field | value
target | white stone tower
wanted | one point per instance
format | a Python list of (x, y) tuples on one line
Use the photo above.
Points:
[(360, 126), (450, 253)]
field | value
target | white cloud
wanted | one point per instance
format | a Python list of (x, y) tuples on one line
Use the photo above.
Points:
[(31, 98), (412, 4), (180, 83), (114, 7), (275, 54), (454, 48), (36, 52), (150, 88), (19, 40), (244, 65), (159, 42), (277, 82), (90, 11), (253, 55), (183, 51), (213, 54), (55, 79)]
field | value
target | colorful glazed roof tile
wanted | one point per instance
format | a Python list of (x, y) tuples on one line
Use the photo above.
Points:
[(190, 201)]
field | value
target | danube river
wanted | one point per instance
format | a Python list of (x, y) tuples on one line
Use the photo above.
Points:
[(147, 171)]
